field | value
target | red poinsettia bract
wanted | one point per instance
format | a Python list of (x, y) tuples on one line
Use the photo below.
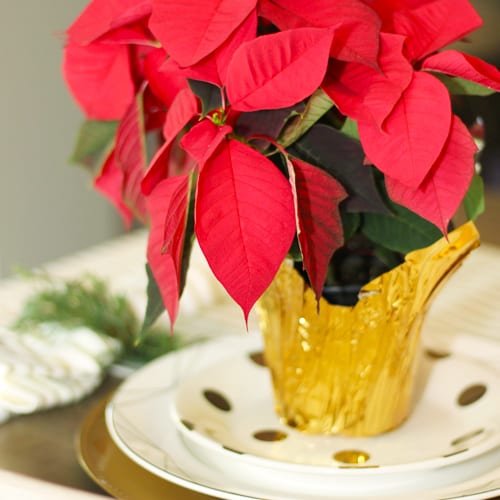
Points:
[(188, 75), (405, 124)]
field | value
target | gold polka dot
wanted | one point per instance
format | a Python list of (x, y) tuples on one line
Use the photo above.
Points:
[(232, 450), (187, 424), (270, 435), (217, 399), (434, 354), (352, 457), (467, 437), (453, 453), (258, 358), (471, 394), (356, 466), (210, 432)]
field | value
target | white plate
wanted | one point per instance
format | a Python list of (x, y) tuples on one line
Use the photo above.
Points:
[(140, 422), (231, 417)]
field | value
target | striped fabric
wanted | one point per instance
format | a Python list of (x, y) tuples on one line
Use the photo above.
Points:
[(52, 366)]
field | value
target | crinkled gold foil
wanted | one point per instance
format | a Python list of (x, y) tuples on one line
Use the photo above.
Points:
[(351, 370)]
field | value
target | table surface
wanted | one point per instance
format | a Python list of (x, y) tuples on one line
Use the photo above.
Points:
[(42, 445)]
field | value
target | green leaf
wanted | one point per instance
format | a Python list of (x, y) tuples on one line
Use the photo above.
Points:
[(390, 258), (209, 95), (404, 231), (350, 222), (189, 236), (130, 155), (342, 157), (474, 199), (267, 122), (294, 251), (94, 139), (154, 306), (317, 105), (460, 86), (350, 128)]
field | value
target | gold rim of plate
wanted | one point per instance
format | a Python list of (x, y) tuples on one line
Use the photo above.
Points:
[(113, 471)]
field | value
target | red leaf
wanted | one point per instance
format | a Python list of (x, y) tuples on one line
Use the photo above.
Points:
[(163, 76), (291, 14), (356, 25), (385, 8), (213, 68), (246, 32), (435, 24), (157, 169), (441, 193), (364, 93), (101, 16), (184, 108), (278, 70), (138, 55), (135, 34), (180, 162), (109, 183), (357, 37), (99, 78), (203, 139), (471, 68), (168, 205), (169, 161), (244, 220), (414, 133), (280, 16), (320, 227), (130, 156), (154, 111), (190, 31), (204, 70)]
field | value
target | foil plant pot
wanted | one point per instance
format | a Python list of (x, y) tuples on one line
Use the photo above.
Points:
[(352, 370)]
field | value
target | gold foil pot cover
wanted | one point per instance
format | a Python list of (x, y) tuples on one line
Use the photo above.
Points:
[(351, 370)]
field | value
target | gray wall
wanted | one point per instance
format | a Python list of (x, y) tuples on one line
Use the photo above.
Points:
[(47, 207), (485, 42)]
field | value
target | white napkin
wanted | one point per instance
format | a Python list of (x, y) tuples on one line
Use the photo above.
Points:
[(51, 366)]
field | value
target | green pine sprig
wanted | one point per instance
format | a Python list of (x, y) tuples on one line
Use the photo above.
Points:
[(88, 302)]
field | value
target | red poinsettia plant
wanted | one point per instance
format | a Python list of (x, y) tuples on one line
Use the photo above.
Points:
[(267, 128)]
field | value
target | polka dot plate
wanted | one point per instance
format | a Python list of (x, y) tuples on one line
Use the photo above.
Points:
[(203, 418)]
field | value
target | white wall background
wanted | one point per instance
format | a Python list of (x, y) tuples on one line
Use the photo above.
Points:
[(47, 207)]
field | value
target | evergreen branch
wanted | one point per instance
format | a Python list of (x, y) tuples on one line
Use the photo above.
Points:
[(88, 302)]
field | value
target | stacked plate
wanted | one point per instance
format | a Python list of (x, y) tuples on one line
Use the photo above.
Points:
[(203, 418)]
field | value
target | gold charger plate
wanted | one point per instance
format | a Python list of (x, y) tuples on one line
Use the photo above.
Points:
[(114, 472)]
